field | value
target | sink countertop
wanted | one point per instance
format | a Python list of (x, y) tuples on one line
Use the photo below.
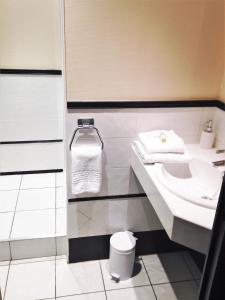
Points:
[(179, 207)]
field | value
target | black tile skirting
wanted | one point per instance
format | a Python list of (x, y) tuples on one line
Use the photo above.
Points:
[(31, 172), (97, 247), (30, 72), (71, 200), (144, 104), (30, 142)]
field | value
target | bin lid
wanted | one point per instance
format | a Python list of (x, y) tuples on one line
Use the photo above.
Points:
[(123, 241)]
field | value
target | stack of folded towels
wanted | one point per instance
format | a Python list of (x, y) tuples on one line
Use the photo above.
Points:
[(161, 146)]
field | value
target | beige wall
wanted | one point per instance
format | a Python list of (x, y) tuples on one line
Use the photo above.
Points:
[(30, 34), (143, 49)]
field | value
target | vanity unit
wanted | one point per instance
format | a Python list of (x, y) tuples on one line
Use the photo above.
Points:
[(186, 220)]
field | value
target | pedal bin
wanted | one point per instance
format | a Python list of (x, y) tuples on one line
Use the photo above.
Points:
[(122, 255)]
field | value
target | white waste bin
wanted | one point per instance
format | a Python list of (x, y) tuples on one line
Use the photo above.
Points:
[(122, 255)]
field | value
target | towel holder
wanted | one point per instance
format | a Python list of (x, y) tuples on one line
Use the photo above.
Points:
[(86, 124)]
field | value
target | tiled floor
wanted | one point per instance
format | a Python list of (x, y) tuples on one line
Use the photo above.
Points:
[(170, 276), (32, 207)]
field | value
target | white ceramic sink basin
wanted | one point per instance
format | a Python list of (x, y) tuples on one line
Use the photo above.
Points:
[(197, 181)]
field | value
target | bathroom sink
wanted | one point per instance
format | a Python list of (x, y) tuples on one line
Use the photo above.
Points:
[(197, 181)]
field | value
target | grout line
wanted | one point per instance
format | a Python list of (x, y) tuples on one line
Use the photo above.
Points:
[(70, 295), (149, 278), (38, 188), (129, 287), (33, 260), (102, 279), (55, 234), (38, 209), (17, 200), (177, 281), (7, 277)]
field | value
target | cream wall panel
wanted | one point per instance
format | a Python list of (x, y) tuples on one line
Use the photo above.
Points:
[(143, 49), (30, 34)]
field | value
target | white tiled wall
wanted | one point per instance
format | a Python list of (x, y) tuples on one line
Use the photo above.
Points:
[(32, 108), (119, 128), (220, 128)]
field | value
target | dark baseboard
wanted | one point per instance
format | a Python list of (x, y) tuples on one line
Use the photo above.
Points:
[(30, 142), (97, 247), (31, 172), (30, 72), (144, 104), (199, 258), (71, 200)]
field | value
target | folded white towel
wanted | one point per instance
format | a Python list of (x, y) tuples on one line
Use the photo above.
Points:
[(161, 141), (161, 157), (86, 166)]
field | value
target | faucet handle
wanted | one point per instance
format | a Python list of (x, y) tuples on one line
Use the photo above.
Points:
[(220, 151), (219, 163)]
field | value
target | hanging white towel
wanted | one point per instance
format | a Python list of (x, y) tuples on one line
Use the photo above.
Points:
[(161, 157), (86, 167), (161, 141)]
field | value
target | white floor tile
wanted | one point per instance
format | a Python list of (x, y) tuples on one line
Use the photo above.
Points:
[(139, 278), (8, 200), (186, 290), (60, 178), (61, 226), (167, 267), (36, 199), (4, 252), (30, 281), (92, 296), (78, 278), (38, 181), (31, 248), (60, 197), (5, 225), (3, 278), (10, 182), (33, 224), (138, 293)]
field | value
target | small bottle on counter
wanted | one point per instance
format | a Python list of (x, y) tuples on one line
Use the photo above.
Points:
[(207, 136)]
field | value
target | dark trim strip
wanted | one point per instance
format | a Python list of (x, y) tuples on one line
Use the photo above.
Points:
[(97, 247), (30, 142), (144, 104), (106, 197), (221, 105), (30, 72), (31, 172)]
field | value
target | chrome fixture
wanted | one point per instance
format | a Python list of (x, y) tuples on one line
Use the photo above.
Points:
[(220, 151), (219, 163), (86, 124)]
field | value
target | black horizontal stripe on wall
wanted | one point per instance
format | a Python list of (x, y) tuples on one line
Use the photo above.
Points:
[(106, 197), (30, 72), (31, 172), (30, 142), (97, 247), (144, 104)]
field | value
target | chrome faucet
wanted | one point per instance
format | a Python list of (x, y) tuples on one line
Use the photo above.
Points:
[(219, 163), (220, 151)]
